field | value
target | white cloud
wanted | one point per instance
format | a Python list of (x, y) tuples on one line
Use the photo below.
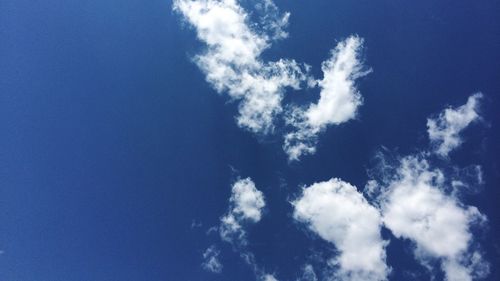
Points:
[(272, 22), (339, 214), (338, 102), (415, 206), (232, 60), (444, 130), (269, 277), (211, 260), (246, 204), (232, 64)]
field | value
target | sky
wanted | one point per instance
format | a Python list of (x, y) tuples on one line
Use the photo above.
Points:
[(249, 140)]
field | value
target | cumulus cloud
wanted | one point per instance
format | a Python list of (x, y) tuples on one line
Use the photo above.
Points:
[(232, 60), (338, 102), (339, 214), (246, 204), (211, 260), (444, 130), (415, 205)]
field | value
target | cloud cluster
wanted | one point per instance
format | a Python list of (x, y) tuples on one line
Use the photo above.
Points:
[(211, 260), (232, 63), (339, 214), (416, 205), (338, 102), (245, 205), (421, 203), (444, 130), (232, 60), (412, 199), (415, 201)]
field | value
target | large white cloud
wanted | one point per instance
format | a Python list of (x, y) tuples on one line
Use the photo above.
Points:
[(232, 60), (338, 102), (339, 214), (444, 130), (416, 205)]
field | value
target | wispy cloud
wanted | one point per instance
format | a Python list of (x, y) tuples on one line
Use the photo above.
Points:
[(338, 102), (245, 205), (308, 274), (444, 130), (211, 260), (232, 61), (232, 64)]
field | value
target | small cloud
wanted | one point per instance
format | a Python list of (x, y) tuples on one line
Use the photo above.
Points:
[(338, 102), (246, 204), (269, 277), (196, 224), (308, 274), (444, 130), (211, 260)]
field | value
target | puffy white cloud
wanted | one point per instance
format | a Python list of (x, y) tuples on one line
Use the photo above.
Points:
[(338, 102), (211, 260), (232, 60), (339, 214), (246, 204), (415, 205), (444, 130)]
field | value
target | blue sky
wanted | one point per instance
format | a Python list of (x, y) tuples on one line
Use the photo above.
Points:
[(126, 155)]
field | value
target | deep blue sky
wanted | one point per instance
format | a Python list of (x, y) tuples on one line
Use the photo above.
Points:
[(112, 143)]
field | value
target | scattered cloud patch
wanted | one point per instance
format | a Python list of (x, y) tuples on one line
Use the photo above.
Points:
[(232, 63), (338, 102), (245, 205), (444, 130), (339, 214), (416, 205), (211, 260)]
